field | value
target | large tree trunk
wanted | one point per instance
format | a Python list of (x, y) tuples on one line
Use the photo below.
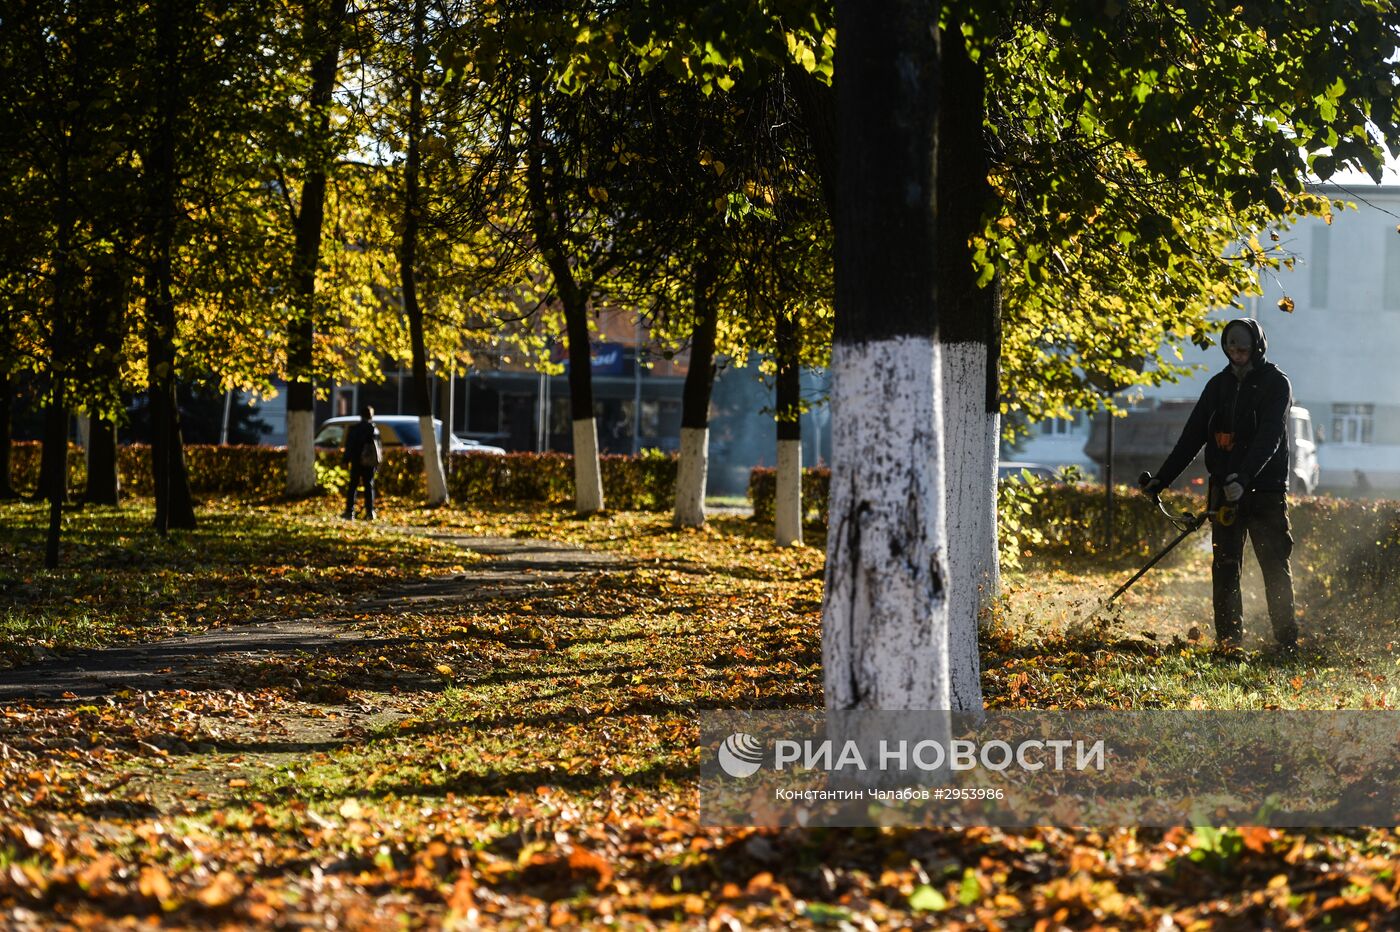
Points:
[(174, 500), (885, 615), (588, 475), (103, 481), (7, 407), (323, 24), (408, 261), (787, 512), (693, 469), (817, 104), (53, 476), (53, 464), (971, 412), (107, 301), (47, 452)]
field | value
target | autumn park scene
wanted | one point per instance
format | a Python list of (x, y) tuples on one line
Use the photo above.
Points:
[(444, 443)]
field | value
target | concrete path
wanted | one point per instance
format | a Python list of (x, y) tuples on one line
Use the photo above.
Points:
[(194, 662)]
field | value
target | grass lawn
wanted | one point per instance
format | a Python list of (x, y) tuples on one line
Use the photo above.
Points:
[(526, 756)]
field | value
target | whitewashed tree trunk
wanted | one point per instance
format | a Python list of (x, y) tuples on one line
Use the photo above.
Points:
[(787, 506), (588, 476), (969, 440), (691, 474), (433, 473), (301, 452), (885, 616)]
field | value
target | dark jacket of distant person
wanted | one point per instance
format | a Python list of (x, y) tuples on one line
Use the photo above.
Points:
[(1241, 422), (359, 434)]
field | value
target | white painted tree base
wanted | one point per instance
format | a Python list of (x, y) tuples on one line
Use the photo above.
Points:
[(970, 447), (435, 477), (691, 474), (787, 505), (301, 452), (588, 476), (885, 613)]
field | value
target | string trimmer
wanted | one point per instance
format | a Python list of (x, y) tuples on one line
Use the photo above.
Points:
[(1183, 521)]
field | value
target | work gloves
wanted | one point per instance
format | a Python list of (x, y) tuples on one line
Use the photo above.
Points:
[(1152, 486), (1233, 488)]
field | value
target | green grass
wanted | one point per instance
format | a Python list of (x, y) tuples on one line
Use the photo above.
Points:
[(119, 582)]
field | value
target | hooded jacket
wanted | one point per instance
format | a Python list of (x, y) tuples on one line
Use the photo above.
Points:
[(1243, 424)]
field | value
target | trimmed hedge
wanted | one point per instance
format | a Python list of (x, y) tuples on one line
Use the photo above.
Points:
[(763, 491), (645, 482), (1342, 545)]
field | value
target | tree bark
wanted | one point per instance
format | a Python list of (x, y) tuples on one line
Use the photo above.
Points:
[(817, 104), (53, 476), (323, 23), (408, 269), (7, 407), (885, 614), (693, 470), (103, 481), (588, 477), (787, 524), (971, 412), (174, 500), (107, 302)]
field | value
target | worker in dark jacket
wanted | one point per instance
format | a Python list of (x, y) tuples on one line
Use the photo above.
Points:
[(362, 454), (1242, 421)]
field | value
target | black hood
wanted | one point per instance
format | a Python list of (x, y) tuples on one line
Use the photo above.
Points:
[(1256, 331)]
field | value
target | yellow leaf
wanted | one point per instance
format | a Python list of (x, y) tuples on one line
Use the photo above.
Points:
[(222, 890), (444, 669), (156, 886), (350, 809)]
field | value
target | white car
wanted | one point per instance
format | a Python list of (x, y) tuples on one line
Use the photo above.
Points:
[(397, 430), (1304, 473)]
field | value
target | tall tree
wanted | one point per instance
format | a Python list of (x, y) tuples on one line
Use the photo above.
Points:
[(693, 467), (968, 334), (885, 613), (323, 26), (408, 256), (174, 499), (787, 412), (553, 155), (107, 298)]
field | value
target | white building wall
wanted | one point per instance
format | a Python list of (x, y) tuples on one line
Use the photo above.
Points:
[(1341, 343)]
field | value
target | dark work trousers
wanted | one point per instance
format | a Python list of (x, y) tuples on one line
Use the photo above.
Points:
[(359, 474), (1263, 517)]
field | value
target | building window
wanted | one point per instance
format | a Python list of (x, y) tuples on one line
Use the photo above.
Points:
[(1351, 423), (1317, 265), (1058, 426), (1391, 299)]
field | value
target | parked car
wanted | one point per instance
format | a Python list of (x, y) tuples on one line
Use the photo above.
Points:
[(397, 430), (1015, 471), (1304, 472)]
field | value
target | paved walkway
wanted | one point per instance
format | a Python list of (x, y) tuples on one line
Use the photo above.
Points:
[(516, 565)]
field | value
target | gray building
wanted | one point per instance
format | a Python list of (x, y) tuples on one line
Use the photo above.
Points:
[(1340, 346)]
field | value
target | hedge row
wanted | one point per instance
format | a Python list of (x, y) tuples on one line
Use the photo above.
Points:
[(1341, 544), (763, 490), (644, 482)]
